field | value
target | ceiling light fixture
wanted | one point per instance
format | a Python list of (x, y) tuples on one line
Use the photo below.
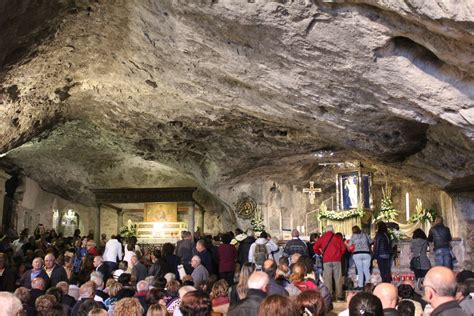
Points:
[(323, 153)]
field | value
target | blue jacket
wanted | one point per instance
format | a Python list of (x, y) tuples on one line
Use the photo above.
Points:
[(382, 246)]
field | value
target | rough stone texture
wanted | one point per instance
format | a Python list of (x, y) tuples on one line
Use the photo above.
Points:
[(215, 93)]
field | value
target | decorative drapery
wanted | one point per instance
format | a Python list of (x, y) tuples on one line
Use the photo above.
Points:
[(408, 229), (341, 226)]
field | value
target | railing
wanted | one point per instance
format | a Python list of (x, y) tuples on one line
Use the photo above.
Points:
[(160, 232)]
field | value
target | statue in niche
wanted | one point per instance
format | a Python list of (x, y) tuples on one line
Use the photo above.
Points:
[(69, 223)]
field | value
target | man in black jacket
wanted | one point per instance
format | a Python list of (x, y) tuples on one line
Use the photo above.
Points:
[(257, 284), (270, 267), (244, 248), (56, 273), (440, 235), (139, 271), (185, 250), (101, 267), (440, 291), (205, 256), (38, 287), (66, 299)]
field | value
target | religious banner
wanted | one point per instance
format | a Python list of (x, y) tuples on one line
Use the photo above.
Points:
[(161, 212)]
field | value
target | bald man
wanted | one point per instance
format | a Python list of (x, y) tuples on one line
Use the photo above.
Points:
[(270, 267), (257, 284), (440, 291), (388, 295)]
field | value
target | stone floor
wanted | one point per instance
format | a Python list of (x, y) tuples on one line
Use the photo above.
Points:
[(338, 307)]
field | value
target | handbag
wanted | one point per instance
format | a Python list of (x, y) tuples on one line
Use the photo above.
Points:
[(454, 260), (415, 263)]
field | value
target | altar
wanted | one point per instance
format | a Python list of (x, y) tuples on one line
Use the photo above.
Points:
[(153, 215)]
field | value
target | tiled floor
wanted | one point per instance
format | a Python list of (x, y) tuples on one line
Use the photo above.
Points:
[(338, 307)]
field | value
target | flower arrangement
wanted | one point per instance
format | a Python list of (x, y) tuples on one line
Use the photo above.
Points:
[(395, 235), (129, 230), (257, 221), (339, 215), (387, 212), (423, 215)]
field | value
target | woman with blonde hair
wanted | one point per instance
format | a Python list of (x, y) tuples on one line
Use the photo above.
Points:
[(157, 310), (113, 290), (239, 292), (128, 306), (220, 297), (298, 278)]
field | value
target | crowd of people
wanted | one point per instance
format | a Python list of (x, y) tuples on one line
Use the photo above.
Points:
[(230, 274)]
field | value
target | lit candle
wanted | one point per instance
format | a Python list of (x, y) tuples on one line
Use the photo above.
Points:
[(407, 200)]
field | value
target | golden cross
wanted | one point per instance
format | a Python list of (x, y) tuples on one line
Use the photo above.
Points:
[(311, 191)]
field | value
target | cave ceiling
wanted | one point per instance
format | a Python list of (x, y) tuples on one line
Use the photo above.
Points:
[(164, 93)]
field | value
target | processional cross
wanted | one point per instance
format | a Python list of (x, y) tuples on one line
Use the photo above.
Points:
[(311, 191)]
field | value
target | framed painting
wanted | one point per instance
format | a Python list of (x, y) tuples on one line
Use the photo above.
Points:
[(354, 188), (161, 212)]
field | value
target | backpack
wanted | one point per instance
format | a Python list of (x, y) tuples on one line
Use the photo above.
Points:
[(260, 254)]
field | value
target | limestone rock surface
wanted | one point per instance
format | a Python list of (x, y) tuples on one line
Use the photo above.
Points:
[(154, 93)]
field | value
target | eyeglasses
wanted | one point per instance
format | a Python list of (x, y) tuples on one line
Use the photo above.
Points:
[(425, 286)]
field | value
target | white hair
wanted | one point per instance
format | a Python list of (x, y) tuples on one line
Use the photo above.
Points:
[(10, 305), (197, 258), (97, 277), (258, 280), (329, 228), (170, 277), (142, 286), (186, 289)]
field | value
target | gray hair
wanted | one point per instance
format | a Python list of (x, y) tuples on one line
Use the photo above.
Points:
[(197, 258), (142, 286), (97, 277), (170, 277), (10, 305), (185, 289), (258, 280)]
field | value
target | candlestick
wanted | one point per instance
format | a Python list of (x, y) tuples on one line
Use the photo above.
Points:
[(407, 199)]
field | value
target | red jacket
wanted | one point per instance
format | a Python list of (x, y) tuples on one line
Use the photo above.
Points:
[(335, 250), (227, 255)]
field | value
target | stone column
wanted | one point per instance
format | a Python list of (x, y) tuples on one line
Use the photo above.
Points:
[(191, 219), (3, 178), (203, 211), (119, 220), (97, 226)]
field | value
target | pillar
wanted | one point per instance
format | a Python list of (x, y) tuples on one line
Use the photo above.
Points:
[(203, 211), (97, 226), (119, 220), (191, 219), (3, 178)]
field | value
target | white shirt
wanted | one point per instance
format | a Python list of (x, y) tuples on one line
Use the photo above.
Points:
[(113, 249)]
